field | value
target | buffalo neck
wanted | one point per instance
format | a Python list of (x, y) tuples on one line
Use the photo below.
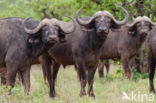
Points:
[(36, 50), (141, 39), (95, 42), (137, 40)]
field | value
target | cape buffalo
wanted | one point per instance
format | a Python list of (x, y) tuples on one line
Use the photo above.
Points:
[(82, 49), (126, 43), (151, 51), (23, 40)]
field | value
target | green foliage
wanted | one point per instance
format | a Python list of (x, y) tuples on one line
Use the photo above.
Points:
[(137, 76), (117, 74), (117, 61), (40, 9)]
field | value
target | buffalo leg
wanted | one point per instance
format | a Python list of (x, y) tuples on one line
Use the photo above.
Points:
[(127, 70), (13, 60), (25, 77), (44, 73), (100, 69), (77, 73), (55, 70), (46, 65), (90, 78), (138, 63), (19, 77), (3, 76), (82, 77), (151, 75), (11, 75), (45, 60), (107, 65)]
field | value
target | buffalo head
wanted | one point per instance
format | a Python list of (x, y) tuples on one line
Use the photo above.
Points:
[(102, 22), (141, 25), (50, 30)]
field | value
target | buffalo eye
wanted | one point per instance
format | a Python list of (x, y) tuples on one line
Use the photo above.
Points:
[(146, 23), (56, 27), (97, 22)]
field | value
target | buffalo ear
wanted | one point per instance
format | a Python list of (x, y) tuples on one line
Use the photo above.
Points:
[(115, 28), (131, 30), (151, 26), (90, 25), (61, 37)]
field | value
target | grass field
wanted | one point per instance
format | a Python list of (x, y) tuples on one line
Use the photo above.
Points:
[(107, 90)]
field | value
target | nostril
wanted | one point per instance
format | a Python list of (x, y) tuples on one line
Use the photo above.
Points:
[(103, 29), (52, 38), (100, 29), (106, 30), (144, 31)]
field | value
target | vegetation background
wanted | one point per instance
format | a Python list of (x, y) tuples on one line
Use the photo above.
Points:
[(39, 9), (107, 90)]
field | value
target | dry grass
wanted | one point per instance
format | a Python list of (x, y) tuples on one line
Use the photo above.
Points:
[(107, 90)]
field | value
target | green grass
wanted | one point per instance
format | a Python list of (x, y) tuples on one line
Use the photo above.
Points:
[(107, 90)]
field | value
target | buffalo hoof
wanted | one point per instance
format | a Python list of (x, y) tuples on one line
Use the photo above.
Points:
[(3, 82), (92, 95), (128, 78), (101, 76), (52, 96), (152, 91), (82, 94), (26, 93)]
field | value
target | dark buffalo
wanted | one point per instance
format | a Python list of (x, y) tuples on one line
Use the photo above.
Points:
[(151, 51), (82, 49), (126, 43), (20, 46)]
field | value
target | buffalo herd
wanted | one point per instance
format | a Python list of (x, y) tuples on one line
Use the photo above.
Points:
[(82, 43)]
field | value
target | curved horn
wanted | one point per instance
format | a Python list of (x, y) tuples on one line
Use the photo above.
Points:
[(145, 18), (134, 22), (123, 21), (65, 30), (100, 13), (80, 21), (139, 19), (35, 30), (150, 21), (70, 30)]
